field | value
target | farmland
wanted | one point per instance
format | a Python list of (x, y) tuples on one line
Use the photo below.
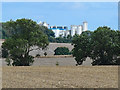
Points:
[(60, 77)]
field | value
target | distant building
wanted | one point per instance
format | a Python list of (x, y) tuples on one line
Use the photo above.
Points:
[(60, 30), (78, 29), (63, 30), (43, 24)]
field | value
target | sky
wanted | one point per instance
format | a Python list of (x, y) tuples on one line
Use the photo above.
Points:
[(64, 13)]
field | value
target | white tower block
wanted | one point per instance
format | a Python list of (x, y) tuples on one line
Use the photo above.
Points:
[(85, 26), (57, 33), (73, 28), (79, 29)]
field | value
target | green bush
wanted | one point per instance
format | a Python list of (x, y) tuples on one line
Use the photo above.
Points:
[(62, 51), (57, 63), (38, 55)]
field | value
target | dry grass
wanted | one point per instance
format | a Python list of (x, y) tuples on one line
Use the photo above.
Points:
[(55, 56), (60, 77)]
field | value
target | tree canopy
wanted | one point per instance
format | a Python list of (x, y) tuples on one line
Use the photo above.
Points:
[(102, 46), (8, 32), (25, 34)]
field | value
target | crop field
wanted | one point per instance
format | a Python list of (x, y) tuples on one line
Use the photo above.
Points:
[(60, 77)]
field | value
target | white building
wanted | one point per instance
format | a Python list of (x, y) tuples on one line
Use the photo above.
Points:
[(85, 26), (43, 24), (78, 29), (63, 30), (59, 30)]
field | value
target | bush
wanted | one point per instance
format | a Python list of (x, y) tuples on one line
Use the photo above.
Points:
[(37, 55), (62, 51), (45, 53), (57, 63)]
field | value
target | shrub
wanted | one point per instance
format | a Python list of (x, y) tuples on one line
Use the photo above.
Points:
[(61, 51), (37, 55)]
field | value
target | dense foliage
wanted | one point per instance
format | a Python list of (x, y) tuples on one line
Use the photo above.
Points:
[(102, 46), (62, 51), (25, 34), (7, 32), (67, 39)]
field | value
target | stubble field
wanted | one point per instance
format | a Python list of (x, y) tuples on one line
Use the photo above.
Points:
[(60, 77)]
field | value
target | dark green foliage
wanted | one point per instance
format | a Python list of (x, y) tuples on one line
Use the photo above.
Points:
[(25, 34), (67, 39), (105, 48), (7, 31), (52, 39), (4, 53), (102, 46), (61, 51), (82, 46), (38, 55), (8, 61), (57, 63), (49, 33), (45, 53)]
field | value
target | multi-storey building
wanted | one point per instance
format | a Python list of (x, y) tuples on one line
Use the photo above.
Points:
[(63, 30)]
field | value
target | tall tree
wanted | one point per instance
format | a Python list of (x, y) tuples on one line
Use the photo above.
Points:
[(26, 34), (82, 46), (102, 46)]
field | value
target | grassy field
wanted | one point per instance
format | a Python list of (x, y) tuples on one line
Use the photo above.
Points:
[(60, 77)]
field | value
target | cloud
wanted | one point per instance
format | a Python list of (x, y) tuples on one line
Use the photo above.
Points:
[(72, 5), (77, 5)]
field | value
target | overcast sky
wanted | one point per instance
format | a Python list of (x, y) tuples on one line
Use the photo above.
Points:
[(66, 13)]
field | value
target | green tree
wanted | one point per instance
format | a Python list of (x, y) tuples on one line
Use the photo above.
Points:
[(6, 29), (62, 51), (102, 46), (49, 33), (26, 34), (82, 46), (105, 48)]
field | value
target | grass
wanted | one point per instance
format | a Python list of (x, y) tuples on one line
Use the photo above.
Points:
[(60, 77)]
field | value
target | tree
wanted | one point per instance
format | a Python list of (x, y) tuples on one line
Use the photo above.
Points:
[(102, 46), (49, 33), (6, 29), (26, 34), (82, 46), (105, 46), (4, 53), (61, 51)]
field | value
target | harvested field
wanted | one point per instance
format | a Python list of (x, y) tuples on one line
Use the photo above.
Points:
[(51, 61), (60, 77)]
